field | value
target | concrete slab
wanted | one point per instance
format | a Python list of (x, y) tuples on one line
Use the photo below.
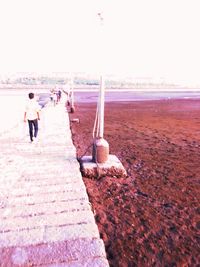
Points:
[(112, 167), (46, 218), (80, 252)]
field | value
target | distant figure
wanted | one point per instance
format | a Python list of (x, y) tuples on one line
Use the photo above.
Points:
[(67, 101), (59, 95), (51, 96), (32, 115), (54, 99)]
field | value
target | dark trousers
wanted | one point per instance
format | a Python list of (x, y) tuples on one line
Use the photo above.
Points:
[(33, 124)]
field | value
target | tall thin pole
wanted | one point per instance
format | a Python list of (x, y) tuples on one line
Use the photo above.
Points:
[(102, 88), (101, 107), (101, 147)]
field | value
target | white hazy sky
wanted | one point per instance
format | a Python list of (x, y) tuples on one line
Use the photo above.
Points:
[(158, 38)]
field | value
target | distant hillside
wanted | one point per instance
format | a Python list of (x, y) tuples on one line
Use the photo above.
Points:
[(82, 81)]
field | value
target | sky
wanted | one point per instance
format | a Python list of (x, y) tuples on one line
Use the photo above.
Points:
[(140, 38)]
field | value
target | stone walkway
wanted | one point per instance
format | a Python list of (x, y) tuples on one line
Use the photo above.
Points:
[(45, 214)]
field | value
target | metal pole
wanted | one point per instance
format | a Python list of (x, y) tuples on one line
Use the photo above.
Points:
[(101, 108), (102, 89), (101, 147)]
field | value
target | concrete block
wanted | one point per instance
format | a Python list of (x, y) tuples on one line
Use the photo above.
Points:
[(112, 167), (44, 208), (48, 198), (50, 220), (71, 253), (21, 238), (73, 231)]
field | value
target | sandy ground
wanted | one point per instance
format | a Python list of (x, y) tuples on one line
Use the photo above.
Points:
[(152, 217)]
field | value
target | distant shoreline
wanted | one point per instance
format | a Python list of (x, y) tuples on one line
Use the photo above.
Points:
[(84, 88), (112, 95)]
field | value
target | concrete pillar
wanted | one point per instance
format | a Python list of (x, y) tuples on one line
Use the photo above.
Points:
[(100, 151), (100, 146)]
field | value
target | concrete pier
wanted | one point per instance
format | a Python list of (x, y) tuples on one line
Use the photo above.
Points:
[(45, 214)]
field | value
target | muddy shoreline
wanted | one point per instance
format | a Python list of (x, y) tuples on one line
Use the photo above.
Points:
[(152, 217)]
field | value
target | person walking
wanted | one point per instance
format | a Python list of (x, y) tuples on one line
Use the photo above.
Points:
[(54, 99), (32, 115)]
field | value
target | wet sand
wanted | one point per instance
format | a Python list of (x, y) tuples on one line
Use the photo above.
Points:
[(152, 217)]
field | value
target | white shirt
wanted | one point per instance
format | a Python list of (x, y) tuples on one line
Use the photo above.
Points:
[(54, 96), (31, 109)]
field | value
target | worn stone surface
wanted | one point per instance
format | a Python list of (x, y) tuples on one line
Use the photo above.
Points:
[(45, 214), (112, 167), (79, 252)]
